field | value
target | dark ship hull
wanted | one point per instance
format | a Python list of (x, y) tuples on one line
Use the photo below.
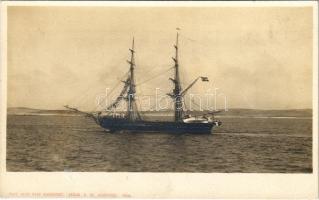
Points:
[(115, 125)]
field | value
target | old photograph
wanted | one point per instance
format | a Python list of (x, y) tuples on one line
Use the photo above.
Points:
[(89, 89), (160, 89)]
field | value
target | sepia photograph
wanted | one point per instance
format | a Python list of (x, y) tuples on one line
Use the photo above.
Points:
[(160, 89)]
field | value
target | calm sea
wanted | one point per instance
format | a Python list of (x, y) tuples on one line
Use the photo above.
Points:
[(75, 143)]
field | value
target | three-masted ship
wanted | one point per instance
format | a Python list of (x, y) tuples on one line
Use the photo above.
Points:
[(132, 121)]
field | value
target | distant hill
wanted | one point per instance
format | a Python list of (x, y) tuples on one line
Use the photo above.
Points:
[(231, 112), (268, 113), (32, 111), (250, 112)]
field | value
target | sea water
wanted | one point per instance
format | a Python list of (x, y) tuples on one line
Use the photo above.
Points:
[(241, 144)]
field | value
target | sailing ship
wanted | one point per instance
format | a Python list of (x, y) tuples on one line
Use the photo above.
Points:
[(133, 122)]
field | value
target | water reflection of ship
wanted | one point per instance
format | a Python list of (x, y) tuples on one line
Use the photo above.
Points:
[(132, 119)]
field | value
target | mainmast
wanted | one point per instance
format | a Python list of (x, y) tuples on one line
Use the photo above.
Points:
[(132, 112), (178, 104)]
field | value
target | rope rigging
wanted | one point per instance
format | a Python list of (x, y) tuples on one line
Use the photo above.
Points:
[(120, 96), (145, 81), (129, 84), (113, 89)]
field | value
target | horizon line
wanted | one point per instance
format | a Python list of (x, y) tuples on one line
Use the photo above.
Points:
[(235, 108)]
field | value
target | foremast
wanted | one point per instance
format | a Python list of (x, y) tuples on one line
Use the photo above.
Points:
[(132, 111), (176, 95)]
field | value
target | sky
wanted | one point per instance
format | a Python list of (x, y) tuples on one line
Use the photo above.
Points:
[(258, 57)]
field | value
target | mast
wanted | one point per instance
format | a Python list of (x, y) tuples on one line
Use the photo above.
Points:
[(132, 112), (178, 104)]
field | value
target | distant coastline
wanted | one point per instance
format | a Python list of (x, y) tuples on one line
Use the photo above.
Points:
[(235, 112)]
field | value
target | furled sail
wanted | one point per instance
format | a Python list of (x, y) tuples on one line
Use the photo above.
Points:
[(121, 95)]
